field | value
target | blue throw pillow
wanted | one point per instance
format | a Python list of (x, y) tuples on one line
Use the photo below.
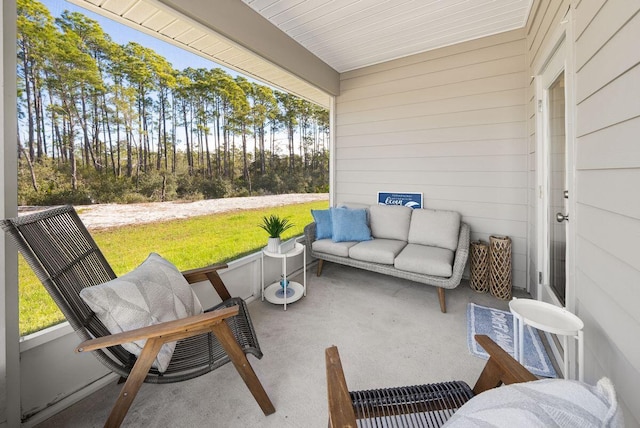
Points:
[(350, 225), (324, 227)]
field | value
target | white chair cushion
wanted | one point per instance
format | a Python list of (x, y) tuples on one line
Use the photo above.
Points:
[(152, 293), (426, 260), (390, 221), (435, 228), (543, 403), (377, 251)]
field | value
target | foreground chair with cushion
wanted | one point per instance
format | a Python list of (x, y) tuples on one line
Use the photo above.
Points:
[(429, 405), (67, 261)]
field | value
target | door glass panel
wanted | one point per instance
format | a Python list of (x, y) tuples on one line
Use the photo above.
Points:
[(557, 187)]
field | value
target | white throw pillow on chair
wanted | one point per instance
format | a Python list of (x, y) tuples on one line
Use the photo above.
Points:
[(153, 293)]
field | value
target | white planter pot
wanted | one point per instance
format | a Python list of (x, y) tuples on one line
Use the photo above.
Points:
[(273, 245)]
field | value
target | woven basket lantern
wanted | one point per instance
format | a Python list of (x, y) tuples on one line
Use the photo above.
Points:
[(500, 267), (479, 266)]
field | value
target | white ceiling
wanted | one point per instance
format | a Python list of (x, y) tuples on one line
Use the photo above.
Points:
[(350, 34), (345, 34)]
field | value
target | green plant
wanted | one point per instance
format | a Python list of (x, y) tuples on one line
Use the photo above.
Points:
[(275, 225)]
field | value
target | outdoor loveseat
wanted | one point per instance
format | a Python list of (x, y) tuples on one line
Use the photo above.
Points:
[(422, 245)]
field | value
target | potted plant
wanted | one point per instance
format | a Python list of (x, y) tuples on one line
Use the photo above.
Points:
[(275, 226)]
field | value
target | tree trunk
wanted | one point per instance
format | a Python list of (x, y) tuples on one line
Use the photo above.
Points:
[(186, 134), (164, 132), (107, 131), (262, 160), (291, 148), (39, 129), (207, 154), (89, 156), (245, 162), (34, 182), (129, 152), (27, 89)]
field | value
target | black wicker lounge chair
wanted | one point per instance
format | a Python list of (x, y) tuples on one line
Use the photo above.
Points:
[(428, 405), (66, 259)]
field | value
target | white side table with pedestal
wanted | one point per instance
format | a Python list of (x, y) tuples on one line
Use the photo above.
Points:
[(552, 319), (292, 291)]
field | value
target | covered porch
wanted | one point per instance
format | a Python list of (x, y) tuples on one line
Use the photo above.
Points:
[(389, 331), (463, 123)]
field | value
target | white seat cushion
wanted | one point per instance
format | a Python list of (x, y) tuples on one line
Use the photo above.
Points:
[(327, 246), (435, 228), (426, 260), (377, 251), (542, 403)]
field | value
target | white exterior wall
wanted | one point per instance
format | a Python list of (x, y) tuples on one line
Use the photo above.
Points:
[(606, 60), (450, 123), (607, 63)]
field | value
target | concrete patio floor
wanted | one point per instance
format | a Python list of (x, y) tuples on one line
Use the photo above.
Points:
[(389, 331)]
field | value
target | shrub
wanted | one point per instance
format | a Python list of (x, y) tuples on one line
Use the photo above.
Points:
[(215, 188), (134, 198), (104, 187)]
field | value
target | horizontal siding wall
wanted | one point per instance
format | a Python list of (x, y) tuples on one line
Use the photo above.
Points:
[(608, 176), (450, 123)]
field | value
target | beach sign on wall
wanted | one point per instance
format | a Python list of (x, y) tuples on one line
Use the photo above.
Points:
[(407, 199)]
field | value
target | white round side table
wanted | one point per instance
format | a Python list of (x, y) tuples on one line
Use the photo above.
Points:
[(550, 318), (292, 291)]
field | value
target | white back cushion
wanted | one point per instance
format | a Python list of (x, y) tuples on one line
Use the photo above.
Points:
[(435, 228), (543, 403), (390, 221)]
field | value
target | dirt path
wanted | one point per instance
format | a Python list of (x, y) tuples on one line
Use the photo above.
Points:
[(103, 216)]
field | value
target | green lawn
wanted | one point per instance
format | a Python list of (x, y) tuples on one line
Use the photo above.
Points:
[(190, 243)]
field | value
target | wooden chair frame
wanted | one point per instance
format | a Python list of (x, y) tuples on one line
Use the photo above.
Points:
[(66, 259), (500, 369), (159, 334)]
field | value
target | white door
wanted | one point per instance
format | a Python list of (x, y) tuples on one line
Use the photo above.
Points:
[(557, 212), (555, 161)]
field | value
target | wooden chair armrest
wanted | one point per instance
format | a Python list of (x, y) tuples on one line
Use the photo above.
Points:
[(341, 412), (200, 274), (501, 368), (209, 273), (168, 331)]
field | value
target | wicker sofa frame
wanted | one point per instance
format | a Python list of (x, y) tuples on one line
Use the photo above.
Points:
[(442, 283)]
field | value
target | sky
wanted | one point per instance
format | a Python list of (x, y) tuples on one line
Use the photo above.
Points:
[(122, 34)]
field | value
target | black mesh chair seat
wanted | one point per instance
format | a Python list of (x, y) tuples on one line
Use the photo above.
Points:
[(429, 405)]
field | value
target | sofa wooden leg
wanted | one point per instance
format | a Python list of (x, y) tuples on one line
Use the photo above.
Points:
[(320, 261), (443, 304)]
